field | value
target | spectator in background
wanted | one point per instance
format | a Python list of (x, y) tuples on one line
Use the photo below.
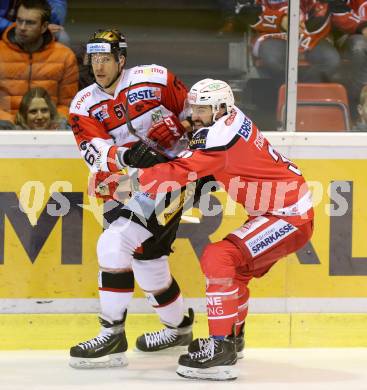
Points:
[(227, 8), (30, 57), (38, 112), (57, 21), (317, 19), (7, 13), (354, 49), (58, 14), (6, 125), (231, 10), (271, 26), (361, 124)]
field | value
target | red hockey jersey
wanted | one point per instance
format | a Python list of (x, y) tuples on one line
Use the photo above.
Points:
[(317, 19), (359, 7), (244, 163)]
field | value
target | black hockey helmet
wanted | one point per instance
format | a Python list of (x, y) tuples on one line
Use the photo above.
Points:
[(107, 41)]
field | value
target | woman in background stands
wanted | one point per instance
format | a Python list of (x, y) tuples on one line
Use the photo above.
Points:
[(38, 112)]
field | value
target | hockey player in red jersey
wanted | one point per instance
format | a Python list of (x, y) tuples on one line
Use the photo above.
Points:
[(317, 20), (133, 245), (353, 47), (228, 145)]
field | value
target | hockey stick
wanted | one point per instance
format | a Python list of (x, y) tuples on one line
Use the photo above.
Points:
[(165, 215)]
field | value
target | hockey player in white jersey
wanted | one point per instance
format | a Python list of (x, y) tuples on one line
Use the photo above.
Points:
[(134, 245)]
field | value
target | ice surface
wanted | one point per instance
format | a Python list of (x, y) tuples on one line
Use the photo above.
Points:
[(270, 369)]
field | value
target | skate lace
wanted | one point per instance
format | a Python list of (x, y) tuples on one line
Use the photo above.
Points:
[(163, 336), (95, 342), (207, 348), (204, 343)]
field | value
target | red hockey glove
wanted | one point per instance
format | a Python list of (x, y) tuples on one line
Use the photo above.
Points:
[(108, 186), (167, 131)]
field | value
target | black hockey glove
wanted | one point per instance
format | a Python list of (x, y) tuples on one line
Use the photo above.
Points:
[(140, 155)]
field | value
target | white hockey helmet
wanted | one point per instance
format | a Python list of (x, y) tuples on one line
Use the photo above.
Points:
[(213, 93)]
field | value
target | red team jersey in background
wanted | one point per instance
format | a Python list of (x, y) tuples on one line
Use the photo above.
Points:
[(317, 20)]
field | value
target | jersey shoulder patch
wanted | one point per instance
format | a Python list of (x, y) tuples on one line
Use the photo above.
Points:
[(225, 131), (149, 73)]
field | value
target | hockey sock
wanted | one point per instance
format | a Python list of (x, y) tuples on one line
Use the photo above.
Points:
[(218, 337), (168, 305), (243, 297), (222, 306), (115, 293)]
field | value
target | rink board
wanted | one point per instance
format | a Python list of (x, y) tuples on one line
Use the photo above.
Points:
[(47, 256), (60, 331)]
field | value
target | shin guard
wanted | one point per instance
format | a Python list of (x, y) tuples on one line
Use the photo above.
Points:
[(222, 306)]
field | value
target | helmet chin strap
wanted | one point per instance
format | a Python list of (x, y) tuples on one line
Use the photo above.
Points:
[(215, 113)]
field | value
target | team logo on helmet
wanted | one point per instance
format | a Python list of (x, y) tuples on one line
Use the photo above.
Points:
[(214, 87)]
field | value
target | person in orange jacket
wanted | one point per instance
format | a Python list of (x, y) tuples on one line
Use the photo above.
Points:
[(31, 58)]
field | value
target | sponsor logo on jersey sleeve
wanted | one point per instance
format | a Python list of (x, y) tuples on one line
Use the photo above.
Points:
[(245, 130), (259, 141), (231, 118), (80, 101), (101, 113), (269, 237)]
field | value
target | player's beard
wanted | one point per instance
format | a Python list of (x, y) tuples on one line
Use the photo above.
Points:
[(200, 124)]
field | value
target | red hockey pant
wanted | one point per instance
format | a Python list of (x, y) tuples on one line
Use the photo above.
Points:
[(247, 252)]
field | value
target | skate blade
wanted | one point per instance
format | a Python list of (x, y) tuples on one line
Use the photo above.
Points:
[(219, 373), (108, 361)]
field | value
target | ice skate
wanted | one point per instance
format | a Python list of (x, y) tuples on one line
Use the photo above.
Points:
[(200, 343), (167, 337), (215, 360), (105, 350)]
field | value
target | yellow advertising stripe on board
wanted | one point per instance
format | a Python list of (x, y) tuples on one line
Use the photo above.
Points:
[(60, 331), (55, 256)]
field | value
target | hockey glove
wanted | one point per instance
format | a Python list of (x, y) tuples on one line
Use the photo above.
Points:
[(142, 156), (167, 131), (103, 185)]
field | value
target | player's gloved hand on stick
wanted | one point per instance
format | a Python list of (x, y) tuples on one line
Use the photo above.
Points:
[(167, 131), (141, 155)]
